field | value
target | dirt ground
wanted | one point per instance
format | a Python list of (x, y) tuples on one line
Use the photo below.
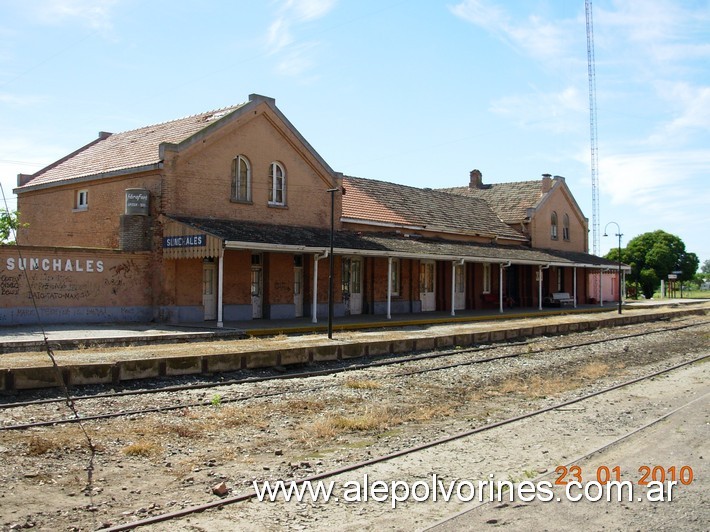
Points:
[(151, 464)]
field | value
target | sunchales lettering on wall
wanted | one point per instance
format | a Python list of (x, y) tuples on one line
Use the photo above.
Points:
[(54, 265)]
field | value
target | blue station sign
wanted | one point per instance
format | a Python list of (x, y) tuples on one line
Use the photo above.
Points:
[(188, 241)]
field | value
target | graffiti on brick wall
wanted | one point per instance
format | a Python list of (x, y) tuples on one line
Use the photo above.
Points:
[(65, 280), (121, 274), (9, 285)]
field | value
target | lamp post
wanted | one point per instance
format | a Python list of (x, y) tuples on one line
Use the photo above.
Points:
[(618, 234), (332, 262)]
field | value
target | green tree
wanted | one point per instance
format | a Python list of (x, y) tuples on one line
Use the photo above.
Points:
[(9, 223), (652, 256), (705, 268)]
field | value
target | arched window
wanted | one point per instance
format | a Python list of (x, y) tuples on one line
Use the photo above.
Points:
[(553, 225), (565, 227), (277, 184), (241, 179)]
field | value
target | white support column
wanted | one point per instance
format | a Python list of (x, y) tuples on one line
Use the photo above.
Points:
[(220, 287), (539, 287), (623, 286), (500, 288), (389, 288), (314, 307), (574, 295), (453, 288)]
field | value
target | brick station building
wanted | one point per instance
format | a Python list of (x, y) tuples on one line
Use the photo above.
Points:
[(226, 216)]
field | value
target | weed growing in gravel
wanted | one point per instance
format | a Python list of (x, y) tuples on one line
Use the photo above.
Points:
[(39, 445), (336, 425), (216, 400), (361, 384), (142, 448)]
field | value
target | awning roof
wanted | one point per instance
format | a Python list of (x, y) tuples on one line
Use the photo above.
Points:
[(235, 234)]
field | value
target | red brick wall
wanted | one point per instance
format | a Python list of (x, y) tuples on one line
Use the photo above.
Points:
[(52, 219), (278, 282), (69, 280), (199, 181)]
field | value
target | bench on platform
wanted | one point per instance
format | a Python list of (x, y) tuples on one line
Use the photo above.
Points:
[(559, 299)]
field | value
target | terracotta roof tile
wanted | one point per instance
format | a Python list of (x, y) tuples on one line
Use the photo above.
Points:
[(510, 201), (130, 149), (368, 199)]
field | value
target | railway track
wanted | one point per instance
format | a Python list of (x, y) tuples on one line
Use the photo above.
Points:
[(150, 463), (200, 508), (521, 349)]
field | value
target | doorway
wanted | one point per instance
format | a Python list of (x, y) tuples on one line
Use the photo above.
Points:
[(209, 297), (256, 286), (352, 285), (427, 280)]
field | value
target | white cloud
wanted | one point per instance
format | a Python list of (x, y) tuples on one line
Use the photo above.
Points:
[(94, 13), (309, 9), (656, 181), (296, 57), (693, 103), (279, 35), (664, 31), (558, 111), (16, 100), (544, 40)]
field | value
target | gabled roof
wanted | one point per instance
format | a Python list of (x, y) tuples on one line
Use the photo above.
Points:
[(368, 200), (130, 150), (510, 201), (140, 149)]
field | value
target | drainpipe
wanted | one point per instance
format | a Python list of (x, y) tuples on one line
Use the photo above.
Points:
[(314, 307)]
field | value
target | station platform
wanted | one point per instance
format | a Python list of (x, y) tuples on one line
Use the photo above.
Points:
[(82, 336), (111, 354)]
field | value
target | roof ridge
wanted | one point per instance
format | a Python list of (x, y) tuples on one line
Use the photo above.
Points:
[(418, 189), (487, 185), (226, 109)]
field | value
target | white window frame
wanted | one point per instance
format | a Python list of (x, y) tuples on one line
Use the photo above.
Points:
[(277, 183), (486, 277), (237, 179), (565, 227), (82, 200), (553, 225)]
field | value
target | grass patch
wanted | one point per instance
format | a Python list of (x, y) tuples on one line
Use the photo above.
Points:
[(541, 386), (361, 384), (38, 445), (332, 426), (143, 448)]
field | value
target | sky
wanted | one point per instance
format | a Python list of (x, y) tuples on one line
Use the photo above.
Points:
[(417, 92)]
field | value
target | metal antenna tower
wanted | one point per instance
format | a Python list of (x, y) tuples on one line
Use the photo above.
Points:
[(593, 126)]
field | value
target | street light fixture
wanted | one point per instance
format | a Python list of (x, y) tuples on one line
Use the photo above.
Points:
[(618, 234)]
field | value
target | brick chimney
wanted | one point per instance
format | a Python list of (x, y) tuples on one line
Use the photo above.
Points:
[(546, 183), (476, 179)]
